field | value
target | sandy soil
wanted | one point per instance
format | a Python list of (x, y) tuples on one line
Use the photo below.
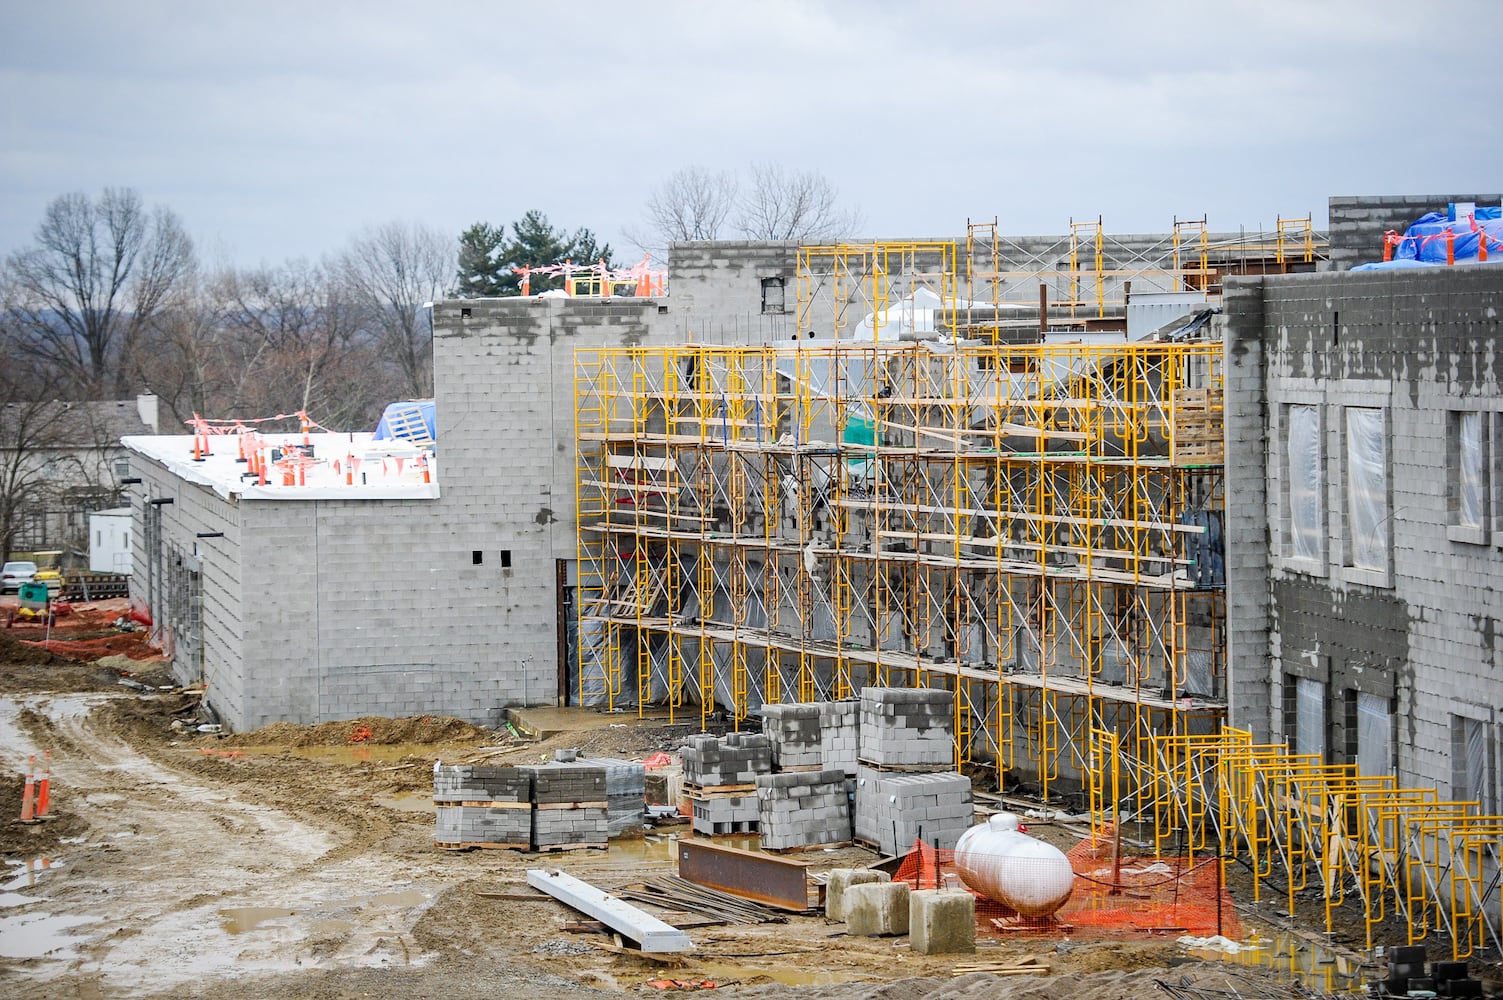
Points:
[(292, 862)]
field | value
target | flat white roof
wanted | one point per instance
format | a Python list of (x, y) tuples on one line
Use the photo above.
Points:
[(380, 470)]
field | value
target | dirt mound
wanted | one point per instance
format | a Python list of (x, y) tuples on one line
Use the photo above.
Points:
[(131, 644), (368, 729), (14, 651)]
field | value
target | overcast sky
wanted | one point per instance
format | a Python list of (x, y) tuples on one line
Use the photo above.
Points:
[(281, 129)]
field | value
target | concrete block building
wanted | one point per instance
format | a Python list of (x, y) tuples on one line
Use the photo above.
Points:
[(1363, 418)]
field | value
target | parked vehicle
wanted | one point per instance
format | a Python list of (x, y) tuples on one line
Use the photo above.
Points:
[(13, 574)]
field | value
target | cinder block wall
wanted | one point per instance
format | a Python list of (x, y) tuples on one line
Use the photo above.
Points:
[(1357, 223), (1246, 531), (158, 553), (1418, 345), (504, 378)]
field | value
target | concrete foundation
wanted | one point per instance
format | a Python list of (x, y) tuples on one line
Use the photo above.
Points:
[(842, 879), (877, 909), (942, 922)]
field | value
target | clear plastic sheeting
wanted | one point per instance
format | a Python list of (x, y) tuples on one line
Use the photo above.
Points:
[(1305, 486), (1374, 735), (1310, 716), (1469, 428), (1469, 762), (1367, 488)]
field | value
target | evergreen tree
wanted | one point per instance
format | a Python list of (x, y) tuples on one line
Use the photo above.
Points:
[(482, 253), (487, 257)]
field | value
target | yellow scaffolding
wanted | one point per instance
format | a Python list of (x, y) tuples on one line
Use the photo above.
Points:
[(1306, 827), (761, 524)]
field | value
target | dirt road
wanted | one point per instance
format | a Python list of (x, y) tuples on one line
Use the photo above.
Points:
[(185, 866)]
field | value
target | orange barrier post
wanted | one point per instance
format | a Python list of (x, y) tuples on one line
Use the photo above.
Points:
[(43, 786), (304, 418), (30, 790), (1450, 247), (1481, 246)]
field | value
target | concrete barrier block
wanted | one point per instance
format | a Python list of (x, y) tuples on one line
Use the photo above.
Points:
[(942, 922), (842, 879), (876, 909)]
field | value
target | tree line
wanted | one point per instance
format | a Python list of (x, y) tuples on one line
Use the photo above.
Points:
[(111, 297)]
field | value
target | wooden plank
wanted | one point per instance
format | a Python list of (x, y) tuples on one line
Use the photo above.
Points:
[(652, 934)]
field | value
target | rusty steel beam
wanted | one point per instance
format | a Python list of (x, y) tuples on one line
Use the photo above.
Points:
[(761, 878)]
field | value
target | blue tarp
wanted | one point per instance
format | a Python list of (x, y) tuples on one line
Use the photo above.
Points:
[(1425, 241), (402, 421)]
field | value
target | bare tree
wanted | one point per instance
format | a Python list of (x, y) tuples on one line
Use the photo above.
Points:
[(37, 439), (295, 343), (183, 355), (692, 204), (792, 205), (392, 272), (94, 281)]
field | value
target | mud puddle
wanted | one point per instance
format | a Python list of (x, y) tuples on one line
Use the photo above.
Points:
[(1316, 967), (35, 935)]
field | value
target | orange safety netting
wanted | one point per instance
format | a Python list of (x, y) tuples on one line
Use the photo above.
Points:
[(1132, 898)]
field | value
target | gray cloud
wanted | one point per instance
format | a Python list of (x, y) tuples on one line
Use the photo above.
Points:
[(281, 129)]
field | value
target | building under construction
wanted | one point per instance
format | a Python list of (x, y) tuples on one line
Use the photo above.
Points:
[(931, 484)]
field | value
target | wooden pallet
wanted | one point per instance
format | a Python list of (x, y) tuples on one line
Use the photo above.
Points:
[(571, 805), (907, 768), (1199, 433), (482, 845), (1200, 453), (800, 769), (834, 845), (561, 848), (718, 791), (482, 804)]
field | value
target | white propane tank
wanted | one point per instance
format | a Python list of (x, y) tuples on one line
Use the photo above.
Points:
[(1002, 863)]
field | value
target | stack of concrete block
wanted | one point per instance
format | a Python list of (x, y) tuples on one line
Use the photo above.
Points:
[(840, 734), (803, 809), (720, 815), (625, 793), (569, 806), (893, 809), (738, 759), (794, 732), (482, 806), (907, 728)]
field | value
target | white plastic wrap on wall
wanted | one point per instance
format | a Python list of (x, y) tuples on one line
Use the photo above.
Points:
[(1374, 735), (1310, 717), (1470, 441), (1367, 488), (1305, 481)]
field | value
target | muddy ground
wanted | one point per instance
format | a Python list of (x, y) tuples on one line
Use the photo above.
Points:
[(292, 862)]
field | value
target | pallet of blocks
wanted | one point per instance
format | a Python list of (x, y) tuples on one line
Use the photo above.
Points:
[(480, 806), (893, 809), (569, 808), (798, 810), (625, 794), (907, 729), (720, 778)]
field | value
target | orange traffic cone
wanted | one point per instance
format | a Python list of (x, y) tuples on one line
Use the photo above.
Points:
[(26, 795), (43, 797)]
